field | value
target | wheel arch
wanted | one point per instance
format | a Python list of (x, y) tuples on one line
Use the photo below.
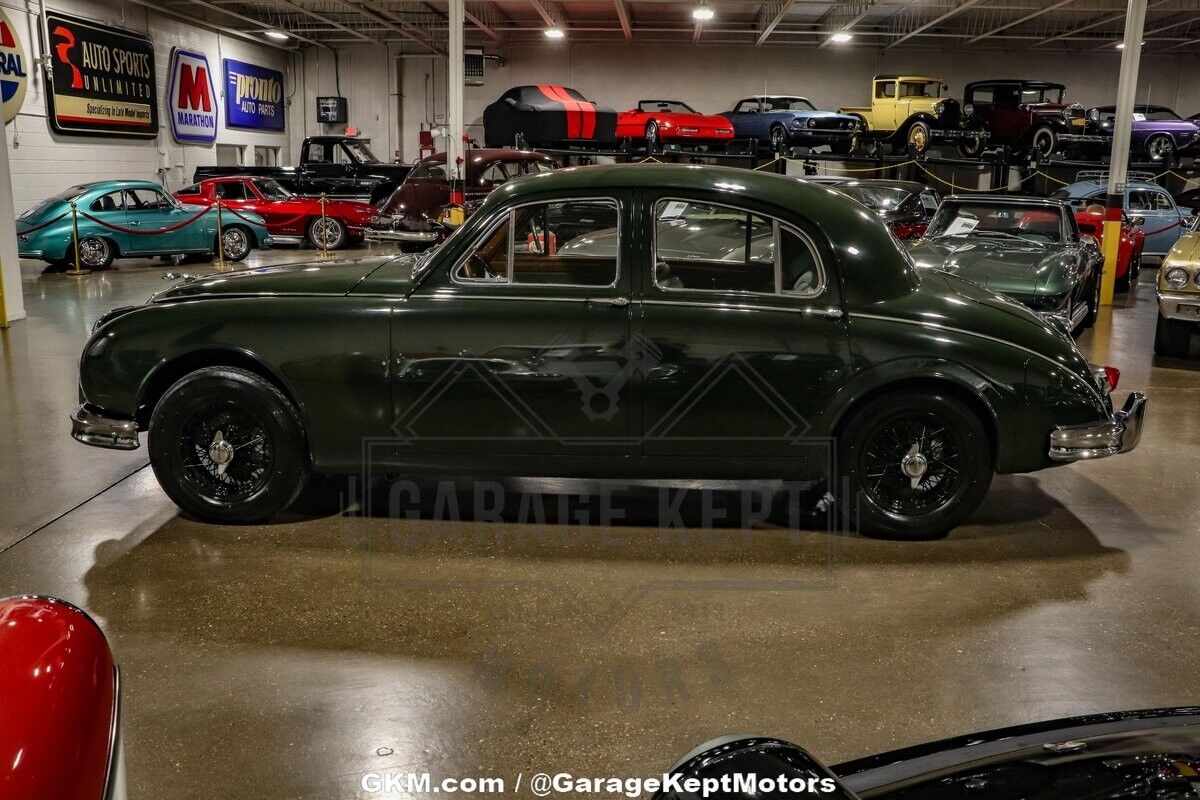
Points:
[(170, 370)]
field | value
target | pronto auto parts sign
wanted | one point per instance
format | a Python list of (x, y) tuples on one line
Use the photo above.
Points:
[(253, 97), (191, 98), (102, 81), (14, 72)]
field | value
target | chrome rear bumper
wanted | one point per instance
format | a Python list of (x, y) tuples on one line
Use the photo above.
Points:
[(1120, 433), (376, 235), (92, 428)]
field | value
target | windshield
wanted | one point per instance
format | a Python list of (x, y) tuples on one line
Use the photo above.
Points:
[(787, 104), (360, 151), (666, 107), (879, 198), (964, 218), (1159, 114), (272, 189)]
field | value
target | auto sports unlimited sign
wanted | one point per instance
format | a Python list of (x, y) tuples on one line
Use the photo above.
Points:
[(253, 97), (102, 80), (191, 98), (14, 70)]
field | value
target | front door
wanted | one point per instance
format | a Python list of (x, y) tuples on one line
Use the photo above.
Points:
[(744, 335), (521, 346), (152, 216), (1163, 220)]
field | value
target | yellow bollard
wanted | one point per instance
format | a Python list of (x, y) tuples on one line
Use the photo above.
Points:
[(220, 262), (1112, 246), (77, 270)]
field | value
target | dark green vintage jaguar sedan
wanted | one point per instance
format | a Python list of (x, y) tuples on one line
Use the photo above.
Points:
[(623, 321)]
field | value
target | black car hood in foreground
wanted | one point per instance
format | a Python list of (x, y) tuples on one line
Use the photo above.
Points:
[(1130, 754)]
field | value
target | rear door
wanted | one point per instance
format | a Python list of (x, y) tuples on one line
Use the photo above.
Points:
[(743, 332)]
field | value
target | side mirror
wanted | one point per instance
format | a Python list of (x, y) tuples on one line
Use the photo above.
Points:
[(723, 769), (1137, 220), (945, 87)]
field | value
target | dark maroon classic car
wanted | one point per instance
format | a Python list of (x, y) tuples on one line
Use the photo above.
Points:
[(412, 215), (1159, 134), (1028, 116)]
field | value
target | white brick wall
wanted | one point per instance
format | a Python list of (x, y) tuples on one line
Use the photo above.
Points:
[(44, 162)]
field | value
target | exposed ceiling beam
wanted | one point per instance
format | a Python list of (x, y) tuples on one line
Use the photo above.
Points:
[(252, 20), (1096, 24), (940, 18), (1023, 19), (544, 13), (486, 29), (157, 7), (323, 18), (405, 29), (775, 13), (623, 16), (845, 16)]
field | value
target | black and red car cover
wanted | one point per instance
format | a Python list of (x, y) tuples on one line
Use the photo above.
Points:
[(546, 115)]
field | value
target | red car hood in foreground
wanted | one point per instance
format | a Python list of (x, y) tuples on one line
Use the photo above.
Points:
[(58, 702)]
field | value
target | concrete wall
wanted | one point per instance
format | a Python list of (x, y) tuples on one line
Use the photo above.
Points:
[(44, 162), (712, 78), (367, 78)]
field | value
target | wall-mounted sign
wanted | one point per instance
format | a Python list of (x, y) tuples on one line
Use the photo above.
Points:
[(14, 72), (191, 98), (332, 110), (253, 97), (102, 81)]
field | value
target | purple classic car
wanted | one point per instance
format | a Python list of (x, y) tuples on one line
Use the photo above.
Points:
[(1159, 134)]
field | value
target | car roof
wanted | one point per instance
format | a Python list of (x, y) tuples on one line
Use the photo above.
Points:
[(891, 76), (1021, 81), (912, 186), (479, 154), (112, 186)]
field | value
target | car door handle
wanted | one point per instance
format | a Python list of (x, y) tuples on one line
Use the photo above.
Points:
[(615, 302), (134, 223), (663, 372)]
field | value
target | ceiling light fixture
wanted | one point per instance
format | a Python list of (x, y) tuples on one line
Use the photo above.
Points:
[(1121, 45), (841, 37), (554, 33), (703, 13), (280, 35)]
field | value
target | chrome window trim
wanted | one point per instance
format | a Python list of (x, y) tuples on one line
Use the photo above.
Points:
[(506, 216), (777, 225)]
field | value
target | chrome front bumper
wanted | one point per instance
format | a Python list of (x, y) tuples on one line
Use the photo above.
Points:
[(92, 428), (376, 235), (1118, 434), (1179, 305)]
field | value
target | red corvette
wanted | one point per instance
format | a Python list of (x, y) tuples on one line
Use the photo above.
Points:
[(659, 122), (1129, 254), (290, 218)]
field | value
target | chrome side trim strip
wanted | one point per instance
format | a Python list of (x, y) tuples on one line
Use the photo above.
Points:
[(829, 312)]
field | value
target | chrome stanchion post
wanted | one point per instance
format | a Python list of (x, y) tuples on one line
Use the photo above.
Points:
[(220, 262), (77, 269), (324, 232)]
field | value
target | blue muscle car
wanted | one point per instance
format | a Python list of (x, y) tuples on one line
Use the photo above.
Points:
[(785, 121), (119, 219)]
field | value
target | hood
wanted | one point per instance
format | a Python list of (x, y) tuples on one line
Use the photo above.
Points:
[(1009, 267), (1185, 251), (336, 278), (688, 120), (823, 115)]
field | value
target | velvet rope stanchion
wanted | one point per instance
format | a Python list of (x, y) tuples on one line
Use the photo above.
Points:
[(219, 262), (325, 256), (77, 269)]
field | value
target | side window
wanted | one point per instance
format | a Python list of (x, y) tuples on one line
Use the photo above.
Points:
[(1161, 202), (230, 190), (717, 248), (885, 89), (109, 202), (746, 107), (436, 172), (145, 200), (494, 175), (318, 153), (193, 189), (1139, 201), (982, 96), (563, 243)]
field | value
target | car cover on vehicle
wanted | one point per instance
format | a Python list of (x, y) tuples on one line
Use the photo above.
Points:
[(547, 115)]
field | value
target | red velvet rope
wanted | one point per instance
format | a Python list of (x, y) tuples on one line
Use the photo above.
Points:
[(1160, 230), (134, 231), (46, 224), (252, 222)]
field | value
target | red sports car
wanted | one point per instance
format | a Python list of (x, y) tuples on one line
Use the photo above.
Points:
[(290, 218), (1133, 239), (659, 122)]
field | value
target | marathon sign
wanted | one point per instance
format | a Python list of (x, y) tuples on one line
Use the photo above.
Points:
[(102, 80), (253, 97), (191, 98), (14, 69)]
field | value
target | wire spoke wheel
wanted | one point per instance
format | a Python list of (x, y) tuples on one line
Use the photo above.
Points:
[(94, 252), (912, 465), (226, 453), (234, 243)]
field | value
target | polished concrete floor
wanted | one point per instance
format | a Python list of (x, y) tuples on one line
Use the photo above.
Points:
[(286, 660)]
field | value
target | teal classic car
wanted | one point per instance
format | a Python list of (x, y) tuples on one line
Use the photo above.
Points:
[(573, 327), (1027, 248), (120, 219)]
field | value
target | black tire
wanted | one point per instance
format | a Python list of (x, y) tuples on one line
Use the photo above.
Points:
[(95, 253), (235, 242), (844, 147), (918, 137), (1093, 303), (1172, 337), (1135, 267), (1122, 282), (877, 491), (330, 232), (1043, 142), (187, 431), (652, 142), (778, 139), (972, 148), (1160, 149)]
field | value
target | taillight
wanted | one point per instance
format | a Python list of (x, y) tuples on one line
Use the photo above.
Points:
[(1114, 377), (1108, 377)]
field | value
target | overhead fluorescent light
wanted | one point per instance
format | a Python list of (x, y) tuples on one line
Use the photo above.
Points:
[(841, 37), (554, 33), (703, 13), (280, 35), (1121, 45)]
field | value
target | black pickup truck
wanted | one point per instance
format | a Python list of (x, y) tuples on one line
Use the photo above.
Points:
[(337, 166)]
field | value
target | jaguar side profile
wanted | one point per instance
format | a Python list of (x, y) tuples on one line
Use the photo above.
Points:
[(762, 327)]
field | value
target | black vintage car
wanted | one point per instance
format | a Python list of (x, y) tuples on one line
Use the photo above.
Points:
[(1028, 116), (546, 116), (904, 206), (1131, 754)]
